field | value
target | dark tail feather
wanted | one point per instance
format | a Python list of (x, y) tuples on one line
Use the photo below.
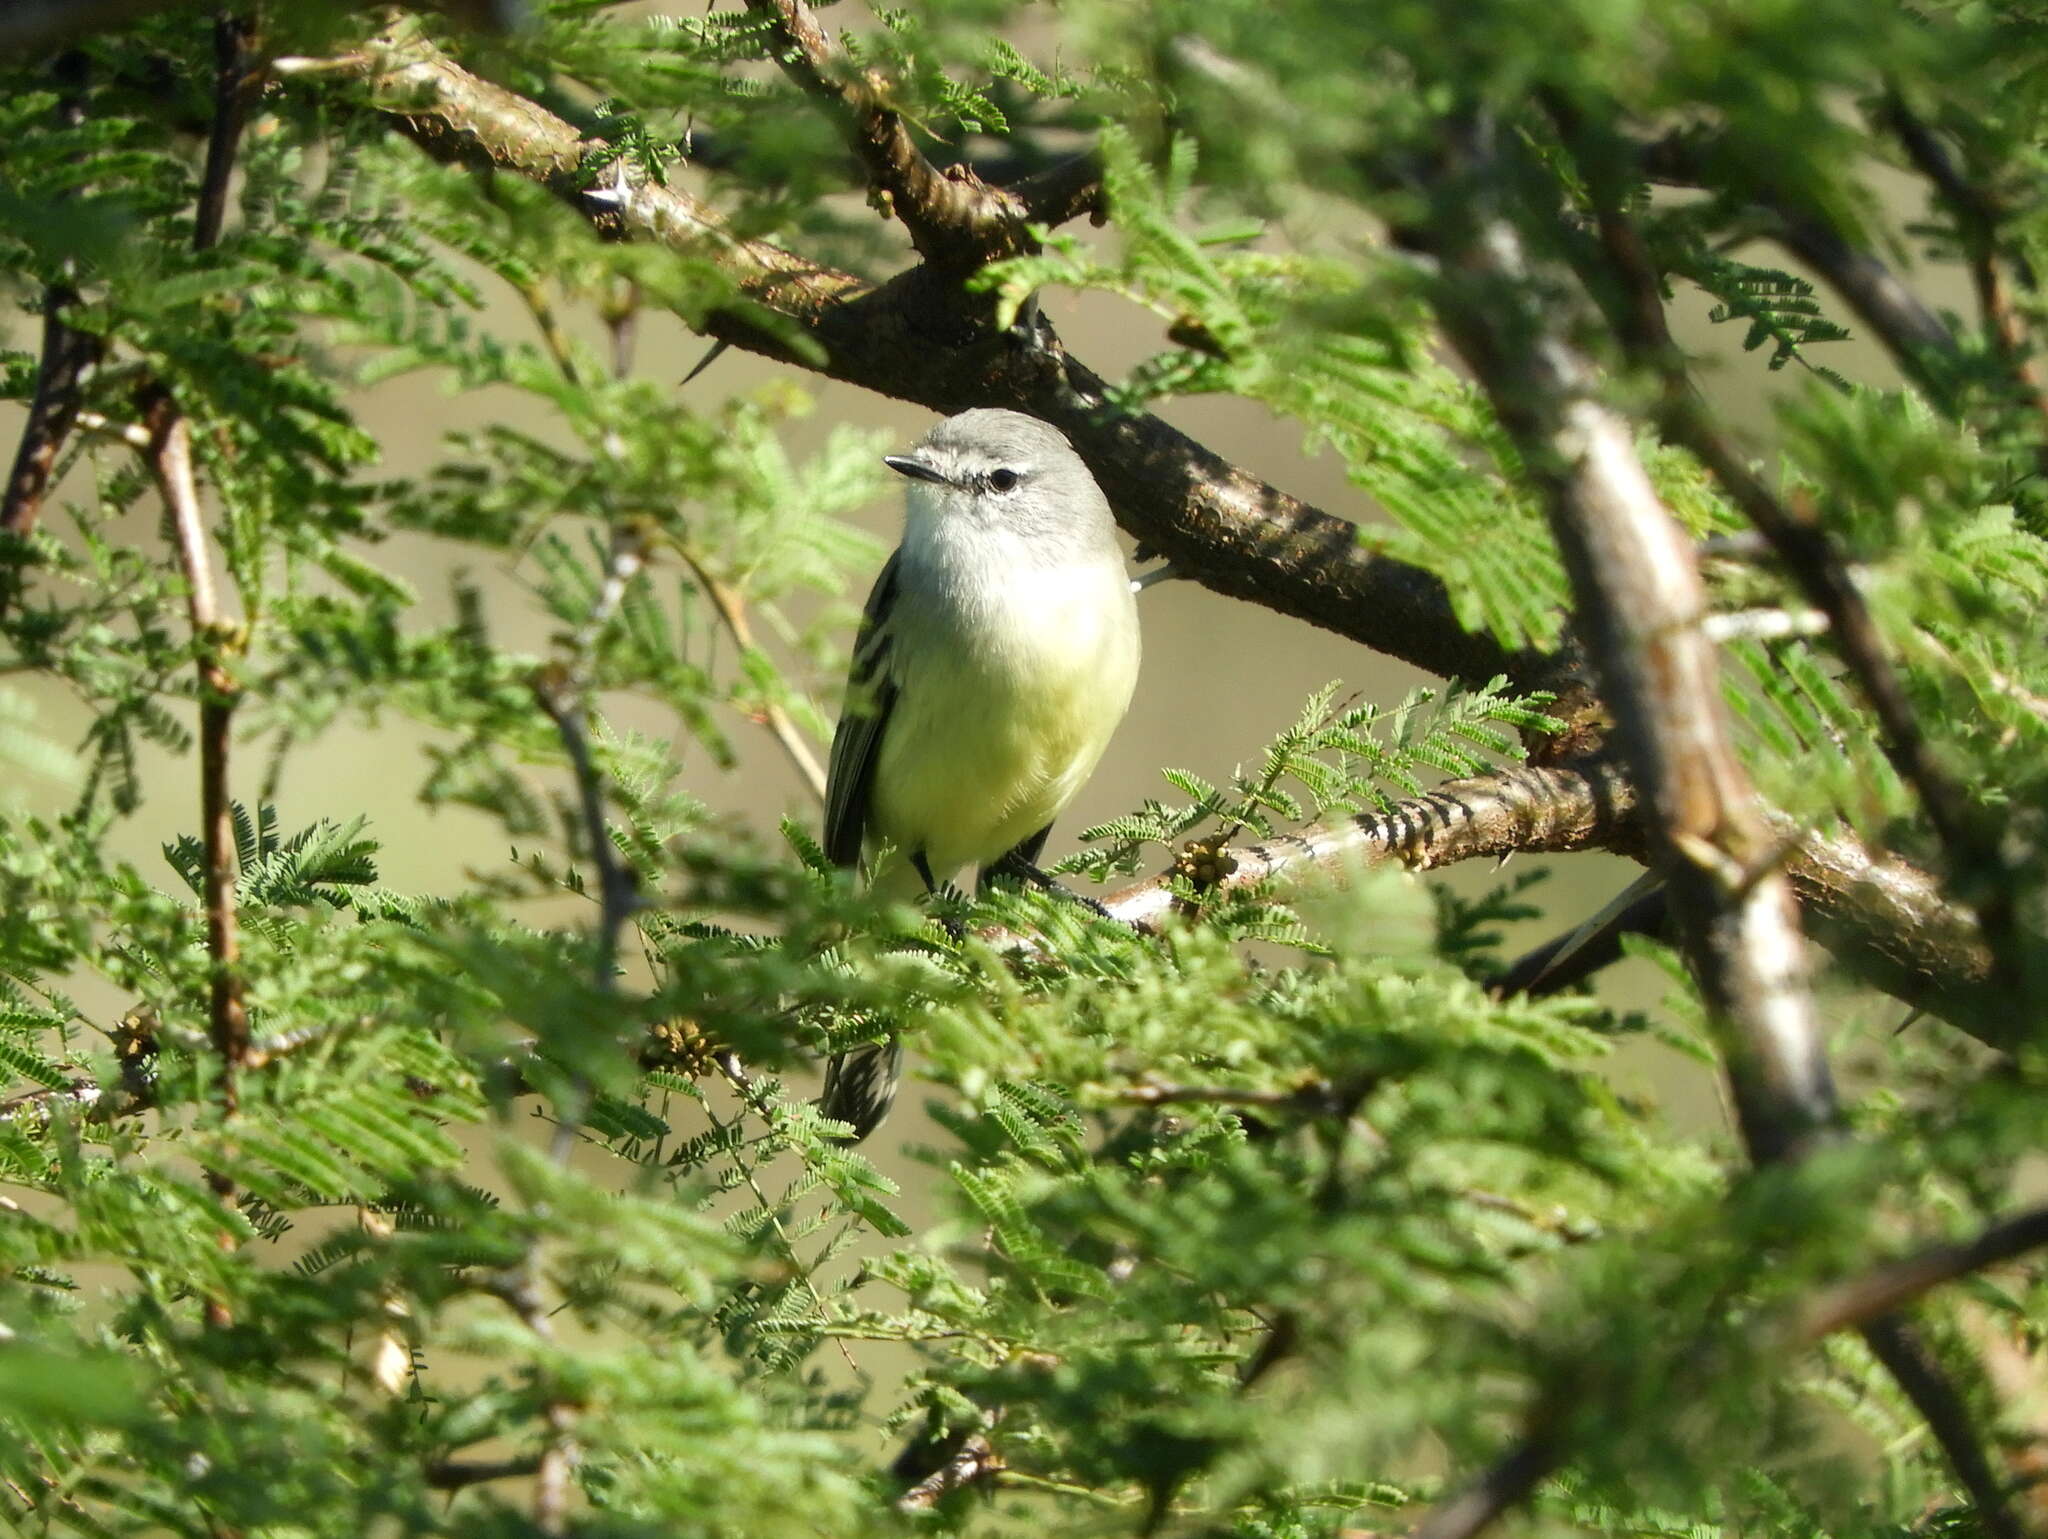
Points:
[(860, 1086)]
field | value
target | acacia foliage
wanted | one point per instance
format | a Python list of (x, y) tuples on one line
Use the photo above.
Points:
[(1401, 1219)]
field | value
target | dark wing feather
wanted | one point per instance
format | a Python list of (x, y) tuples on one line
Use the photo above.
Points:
[(857, 744)]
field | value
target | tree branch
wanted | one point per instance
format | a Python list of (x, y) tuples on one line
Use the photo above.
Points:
[(1640, 600), (234, 87), (1874, 1296), (1589, 805), (67, 356), (60, 376), (460, 1474), (955, 220), (731, 609), (920, 338), (170, 462), (1977, 217), (1970, 844)]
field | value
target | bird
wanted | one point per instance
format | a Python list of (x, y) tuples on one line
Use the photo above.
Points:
[(997, 654)]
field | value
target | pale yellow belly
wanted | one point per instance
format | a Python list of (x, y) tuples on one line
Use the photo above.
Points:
[(987, 746)]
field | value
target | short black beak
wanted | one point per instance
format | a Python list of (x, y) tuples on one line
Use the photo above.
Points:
[(916, 469)]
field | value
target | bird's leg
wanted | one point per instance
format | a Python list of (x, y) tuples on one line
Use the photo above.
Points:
[(1016, 865)]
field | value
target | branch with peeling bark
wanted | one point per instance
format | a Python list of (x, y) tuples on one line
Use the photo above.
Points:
[(1640, 601), (1528, 808), (1795, 533)]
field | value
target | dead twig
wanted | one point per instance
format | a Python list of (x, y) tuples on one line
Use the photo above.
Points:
[(731, 609)]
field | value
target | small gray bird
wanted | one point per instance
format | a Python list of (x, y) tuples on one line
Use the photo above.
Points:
[(997, 654)]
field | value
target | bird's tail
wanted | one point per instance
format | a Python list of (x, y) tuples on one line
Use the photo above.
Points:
[(860, 1086)]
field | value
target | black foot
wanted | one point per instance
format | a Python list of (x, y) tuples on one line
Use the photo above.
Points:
[(1024, 870)]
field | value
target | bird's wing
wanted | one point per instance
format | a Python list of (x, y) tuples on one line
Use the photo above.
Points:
[(857, 744)]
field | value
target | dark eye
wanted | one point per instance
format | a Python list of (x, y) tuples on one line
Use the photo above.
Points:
[(1002, 480)]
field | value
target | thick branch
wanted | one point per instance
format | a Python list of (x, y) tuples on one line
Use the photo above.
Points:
[(1640, 601), (920, 338), (1795, 533)]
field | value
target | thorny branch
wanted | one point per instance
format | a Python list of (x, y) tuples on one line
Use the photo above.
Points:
[(955, 220), (1796, 534), (1640, 600), (920, 337)]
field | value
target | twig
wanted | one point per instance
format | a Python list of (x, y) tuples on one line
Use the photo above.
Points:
[(552, 334), (732, 613), (621, 315), (67, 356), (170, 462), (1918, 340), (730, 606), (460, 1474), (519, 1291), (1505, 1485), (1892, 1287), (1930, 1391), (234, 88), (1875, 1295), (562, 692), (1977, 218)]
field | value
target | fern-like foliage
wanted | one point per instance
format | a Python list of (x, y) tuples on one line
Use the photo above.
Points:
[(486, 1195)]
